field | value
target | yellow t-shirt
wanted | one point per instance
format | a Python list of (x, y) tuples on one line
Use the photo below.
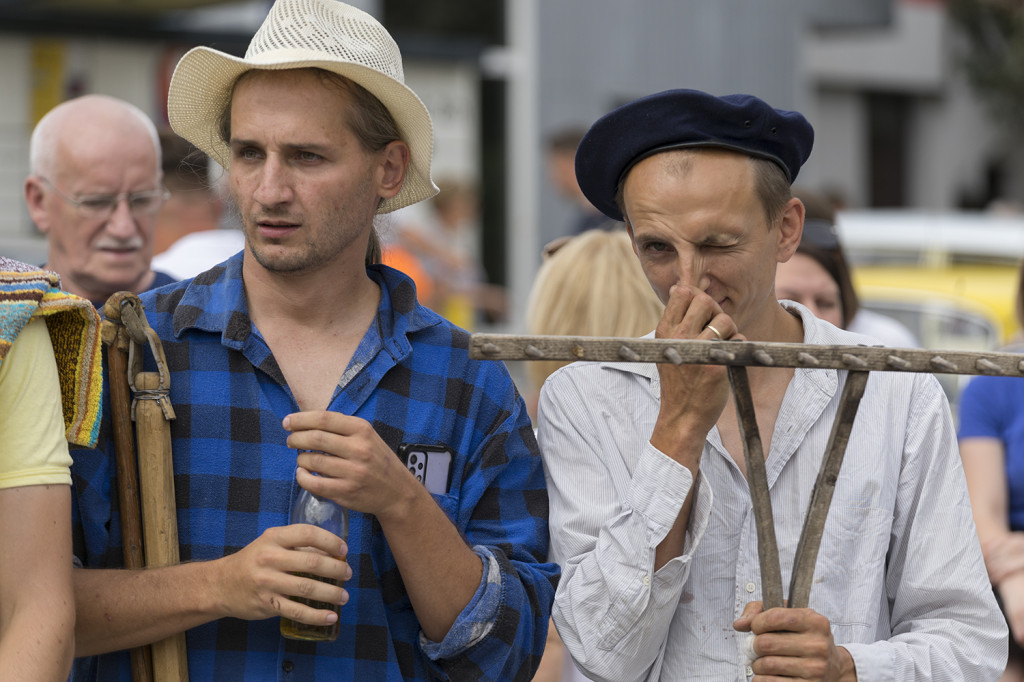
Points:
[(34, 450)]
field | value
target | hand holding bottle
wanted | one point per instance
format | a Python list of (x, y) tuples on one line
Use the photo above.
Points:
[(327, 514)]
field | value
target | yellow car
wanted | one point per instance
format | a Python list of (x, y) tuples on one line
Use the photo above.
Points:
[(954, 307), (951, 278)]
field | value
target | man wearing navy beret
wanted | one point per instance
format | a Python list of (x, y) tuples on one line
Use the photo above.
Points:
[(651, 517)]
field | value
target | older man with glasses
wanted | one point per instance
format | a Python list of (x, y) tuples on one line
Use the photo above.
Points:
[(94, 189)]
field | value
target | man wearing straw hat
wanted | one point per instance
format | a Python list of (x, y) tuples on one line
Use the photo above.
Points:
[(651, 513), (300, 343)]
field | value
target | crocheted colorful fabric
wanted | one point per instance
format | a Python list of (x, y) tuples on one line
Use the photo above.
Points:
[(74, 326)]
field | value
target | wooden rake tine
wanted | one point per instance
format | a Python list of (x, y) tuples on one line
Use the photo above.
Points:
[(821, 495), (757, 480)]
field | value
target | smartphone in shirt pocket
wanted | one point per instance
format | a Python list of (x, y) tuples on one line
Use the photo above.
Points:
[(430, 464)]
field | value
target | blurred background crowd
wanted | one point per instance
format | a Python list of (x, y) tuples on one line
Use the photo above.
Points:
[(914, 104)]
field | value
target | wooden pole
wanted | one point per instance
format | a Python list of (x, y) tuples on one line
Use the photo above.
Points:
[(159, 520), (116, 342), (757, 480), (744, 353), (821, 494)]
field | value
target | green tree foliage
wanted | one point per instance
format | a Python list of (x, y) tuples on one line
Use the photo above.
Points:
[(992, 54)]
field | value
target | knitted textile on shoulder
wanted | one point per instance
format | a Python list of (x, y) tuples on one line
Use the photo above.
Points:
[(74, 327)]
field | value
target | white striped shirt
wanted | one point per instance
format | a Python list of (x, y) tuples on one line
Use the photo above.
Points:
[(899, 574)]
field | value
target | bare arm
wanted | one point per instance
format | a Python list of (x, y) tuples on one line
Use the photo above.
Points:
[(685, 447), (440, 571), (984, 462), (37, 615), (120, 609)]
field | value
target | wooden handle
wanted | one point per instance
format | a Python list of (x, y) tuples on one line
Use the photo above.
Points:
[(124, 453), (159, 515), (127, 483), (760, 496), (821, 495)]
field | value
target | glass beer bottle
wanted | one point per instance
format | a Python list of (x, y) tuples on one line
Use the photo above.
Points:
[(327, 514)]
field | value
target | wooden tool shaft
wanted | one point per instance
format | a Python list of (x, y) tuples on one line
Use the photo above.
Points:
[(159, 516), (127, 485), (757, 480), (821, 495), (124, 452)]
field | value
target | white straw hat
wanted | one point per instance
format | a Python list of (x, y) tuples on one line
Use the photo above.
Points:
[(324, 34)]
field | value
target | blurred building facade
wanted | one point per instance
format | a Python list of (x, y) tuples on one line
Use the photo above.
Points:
[(896, 123)]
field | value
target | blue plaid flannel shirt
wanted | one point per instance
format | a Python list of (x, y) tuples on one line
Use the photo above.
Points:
[(411, 377)]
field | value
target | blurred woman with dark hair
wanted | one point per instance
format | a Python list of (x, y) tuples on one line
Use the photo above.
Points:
[(818, 277)]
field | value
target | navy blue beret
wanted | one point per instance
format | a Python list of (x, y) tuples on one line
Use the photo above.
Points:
[(686, 118)]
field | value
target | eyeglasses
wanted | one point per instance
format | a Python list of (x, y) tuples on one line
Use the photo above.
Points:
[(102, 206)]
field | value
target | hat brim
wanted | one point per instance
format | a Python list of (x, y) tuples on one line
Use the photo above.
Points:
[(202, 84)]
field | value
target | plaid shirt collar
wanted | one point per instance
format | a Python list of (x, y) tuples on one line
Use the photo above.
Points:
[(215, 302)]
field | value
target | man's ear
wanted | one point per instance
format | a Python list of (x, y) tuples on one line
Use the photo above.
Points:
[(394, 161), (791, 229), (34, 196)]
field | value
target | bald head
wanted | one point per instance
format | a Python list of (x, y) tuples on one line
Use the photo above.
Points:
[(90, 117)]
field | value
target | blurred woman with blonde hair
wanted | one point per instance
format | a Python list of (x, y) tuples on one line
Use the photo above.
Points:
[(588, 285)]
